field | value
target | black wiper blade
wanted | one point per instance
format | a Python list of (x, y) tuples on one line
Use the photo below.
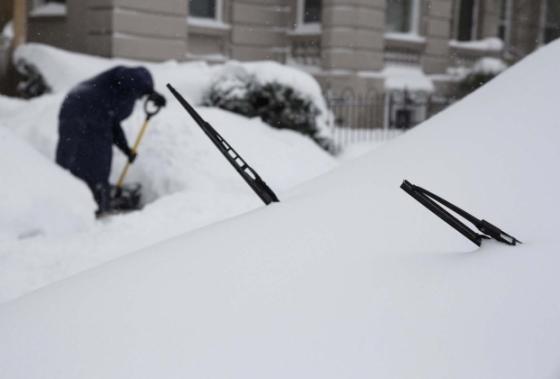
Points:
[(431, 200), (248, 174)]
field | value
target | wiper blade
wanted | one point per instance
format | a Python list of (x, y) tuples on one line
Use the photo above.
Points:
[(431, 200), (248, 174)]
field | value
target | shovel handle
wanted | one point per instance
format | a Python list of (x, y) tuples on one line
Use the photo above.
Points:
[(149, 115)]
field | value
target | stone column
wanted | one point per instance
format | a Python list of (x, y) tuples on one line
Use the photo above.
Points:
[(138, 29), (259, 29), (353, 35), (437, 16)]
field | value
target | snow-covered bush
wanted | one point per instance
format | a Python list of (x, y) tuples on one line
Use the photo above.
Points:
[(472, 82), (280, 105), (481, 73), (284, 108), (232, 93)]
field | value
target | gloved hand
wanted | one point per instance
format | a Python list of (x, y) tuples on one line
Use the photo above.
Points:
[(131, 156), (158, 100)]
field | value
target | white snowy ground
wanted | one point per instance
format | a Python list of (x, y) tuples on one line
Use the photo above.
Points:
[(348, 277), (48, 231)]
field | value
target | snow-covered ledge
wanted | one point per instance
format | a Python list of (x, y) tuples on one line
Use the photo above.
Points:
[(306, 30), (208, 25), (49, 10), (410, 41), (211, 58), (487, 44)]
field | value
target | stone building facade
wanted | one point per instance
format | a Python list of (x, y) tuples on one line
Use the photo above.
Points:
[(368, 46)]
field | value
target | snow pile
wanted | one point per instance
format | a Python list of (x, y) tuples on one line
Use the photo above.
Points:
[(62, 70), (36, 197), (186, 181), (176, 156), (234, 80), (348, 277), (488, 65)]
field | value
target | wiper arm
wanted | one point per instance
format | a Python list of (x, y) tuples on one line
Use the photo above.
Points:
[(431, 200)]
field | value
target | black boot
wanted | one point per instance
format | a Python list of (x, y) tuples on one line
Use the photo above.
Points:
[(101, 193)]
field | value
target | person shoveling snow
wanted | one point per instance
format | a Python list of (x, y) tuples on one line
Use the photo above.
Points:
[(90, 123)]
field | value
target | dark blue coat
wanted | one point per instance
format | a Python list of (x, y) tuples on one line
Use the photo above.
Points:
[(89, 121)]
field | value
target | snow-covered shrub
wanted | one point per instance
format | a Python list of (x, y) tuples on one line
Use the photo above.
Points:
[(481, 73), (282, 107), (232, 93), (277, 104), (472, 82)]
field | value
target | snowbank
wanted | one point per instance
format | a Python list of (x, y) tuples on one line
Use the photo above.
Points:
[(62, 70), (186, 182), (36, 197), (348, 277), (176, 156), (489, 65)]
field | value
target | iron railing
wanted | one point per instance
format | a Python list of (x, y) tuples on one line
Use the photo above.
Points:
[(376, 116)]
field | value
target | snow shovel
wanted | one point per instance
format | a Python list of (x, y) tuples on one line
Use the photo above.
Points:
[(128, 197)]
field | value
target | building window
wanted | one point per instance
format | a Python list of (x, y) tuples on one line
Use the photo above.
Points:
[(309, 12), (402, 16), (551, 27), (467, 24), (205, 9), (504, 23)]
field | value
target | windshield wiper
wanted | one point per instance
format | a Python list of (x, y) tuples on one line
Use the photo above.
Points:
[(431, 200), (248, 174)]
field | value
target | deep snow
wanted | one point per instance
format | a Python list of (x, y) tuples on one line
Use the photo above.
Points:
[(186, 182), (348, 276), (32, 203), (63, 69)]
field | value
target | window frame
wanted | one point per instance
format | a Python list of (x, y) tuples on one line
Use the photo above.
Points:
[(300, 18), (218, 16), (414, 21), (475, 21), (543, 24), (505, 21)]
